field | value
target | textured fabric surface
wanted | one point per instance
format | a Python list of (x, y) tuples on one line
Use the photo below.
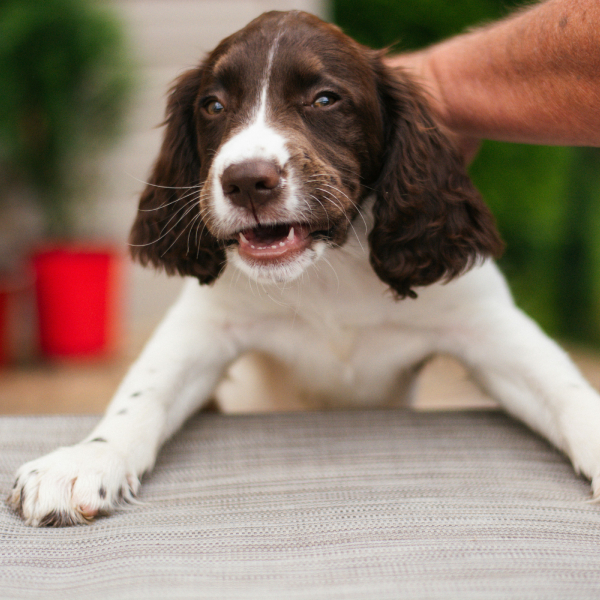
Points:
[(347, 505)]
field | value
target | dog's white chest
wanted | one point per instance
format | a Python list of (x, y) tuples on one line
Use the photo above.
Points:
[(328, 365), (359, 366), (340, 341)]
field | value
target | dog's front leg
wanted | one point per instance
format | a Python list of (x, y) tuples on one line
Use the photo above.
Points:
[(174, 376), (535, 380)]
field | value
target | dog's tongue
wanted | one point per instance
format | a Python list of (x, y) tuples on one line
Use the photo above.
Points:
[(274, 242)]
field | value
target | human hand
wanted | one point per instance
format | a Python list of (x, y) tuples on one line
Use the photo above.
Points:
[(417, 66)]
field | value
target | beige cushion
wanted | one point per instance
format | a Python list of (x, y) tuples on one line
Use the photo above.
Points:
[(343, 505)]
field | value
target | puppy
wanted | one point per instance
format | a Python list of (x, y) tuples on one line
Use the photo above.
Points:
[(322, 219)]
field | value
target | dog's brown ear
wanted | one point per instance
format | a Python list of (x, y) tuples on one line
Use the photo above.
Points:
[(430, 223), (168, 231)]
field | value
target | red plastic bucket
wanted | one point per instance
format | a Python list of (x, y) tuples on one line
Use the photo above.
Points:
[(4, 342), (78, 300)]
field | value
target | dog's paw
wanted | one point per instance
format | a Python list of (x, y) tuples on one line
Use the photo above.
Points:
[(595, 499), (72, 485)]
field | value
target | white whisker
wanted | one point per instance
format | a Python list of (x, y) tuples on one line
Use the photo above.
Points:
[(194, 219), (359, 212), (185, 209), (333, 201), (324, 210), (180, 234), (165, 187)]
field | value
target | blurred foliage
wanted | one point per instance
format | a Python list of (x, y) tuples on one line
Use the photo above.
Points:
[(409, 24), (64, 81), (546, 199)]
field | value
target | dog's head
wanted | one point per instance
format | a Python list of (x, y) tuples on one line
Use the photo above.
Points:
[(272, 145)]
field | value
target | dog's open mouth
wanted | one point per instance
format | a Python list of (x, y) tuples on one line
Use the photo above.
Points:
[(274, 243)]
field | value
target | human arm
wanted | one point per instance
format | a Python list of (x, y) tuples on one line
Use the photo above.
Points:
[(531, 78)]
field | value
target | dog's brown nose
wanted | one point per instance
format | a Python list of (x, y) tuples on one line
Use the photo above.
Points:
[(252, 183)]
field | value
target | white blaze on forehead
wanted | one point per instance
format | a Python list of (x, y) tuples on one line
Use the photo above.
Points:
[(257, 140)]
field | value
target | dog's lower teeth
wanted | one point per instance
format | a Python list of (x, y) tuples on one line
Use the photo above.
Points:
[(274, 244)]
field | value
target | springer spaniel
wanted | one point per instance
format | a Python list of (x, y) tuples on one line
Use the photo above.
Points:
[(308, 190)]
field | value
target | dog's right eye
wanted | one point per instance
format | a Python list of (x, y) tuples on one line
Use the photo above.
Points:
[(213, 107)]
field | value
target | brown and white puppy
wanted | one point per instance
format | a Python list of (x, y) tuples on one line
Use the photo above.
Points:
[(303, 180), (290, 123)]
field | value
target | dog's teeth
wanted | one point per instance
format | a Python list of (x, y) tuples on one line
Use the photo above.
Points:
[(282, 243), (290, 236), (243, 238)]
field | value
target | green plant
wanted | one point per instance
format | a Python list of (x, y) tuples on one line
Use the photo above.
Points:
[(64, 81), (410, 24), (546, 199)]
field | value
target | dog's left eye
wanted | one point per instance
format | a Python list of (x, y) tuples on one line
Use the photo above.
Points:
[(324, 100)]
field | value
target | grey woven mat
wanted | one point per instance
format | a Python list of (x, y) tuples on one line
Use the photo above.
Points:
[(346, 505)]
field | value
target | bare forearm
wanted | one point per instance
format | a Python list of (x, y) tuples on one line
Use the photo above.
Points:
[(532, 78)]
